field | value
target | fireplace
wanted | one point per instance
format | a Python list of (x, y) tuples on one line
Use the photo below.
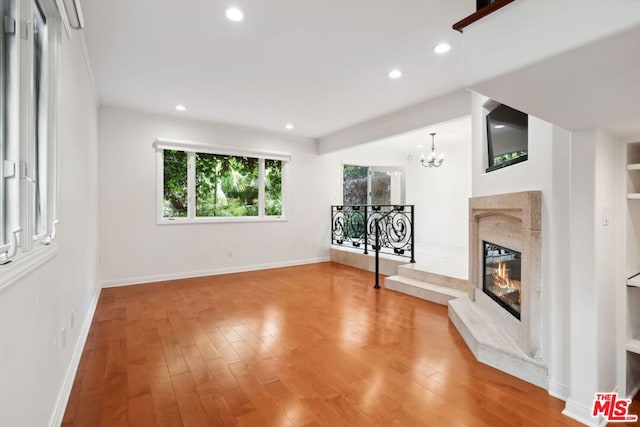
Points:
[(501, 321), (502, 277)]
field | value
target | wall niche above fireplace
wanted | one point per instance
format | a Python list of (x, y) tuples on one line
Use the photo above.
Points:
[(502, 277)]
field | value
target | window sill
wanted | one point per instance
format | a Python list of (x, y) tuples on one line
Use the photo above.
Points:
[(24, 263), (221, 220)]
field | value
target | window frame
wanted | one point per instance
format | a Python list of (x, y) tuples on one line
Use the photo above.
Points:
[(26, 247), (191, 148)]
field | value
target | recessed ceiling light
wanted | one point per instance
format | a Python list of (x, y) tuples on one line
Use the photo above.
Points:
[(420, 146), (442, 48), (288, 126), (395, 74), (498, 126), (180, 107), (234, 14)]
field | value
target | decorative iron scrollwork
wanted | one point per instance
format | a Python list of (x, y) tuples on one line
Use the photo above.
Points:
[(357, 225)]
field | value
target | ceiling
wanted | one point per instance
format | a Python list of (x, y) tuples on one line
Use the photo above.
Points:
[(450, 135), (319, 64)]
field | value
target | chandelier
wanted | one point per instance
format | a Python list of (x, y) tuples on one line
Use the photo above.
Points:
[(433, 161)]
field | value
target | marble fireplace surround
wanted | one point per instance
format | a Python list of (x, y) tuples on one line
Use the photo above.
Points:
[(512, 220)]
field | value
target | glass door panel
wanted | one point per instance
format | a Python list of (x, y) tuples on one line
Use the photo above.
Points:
[(355, 185)]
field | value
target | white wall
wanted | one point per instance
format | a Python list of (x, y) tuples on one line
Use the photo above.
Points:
[(441, 195), (582, 305), (547, 169), (33, 362), (594, 260), (134, 249), (607, 256)]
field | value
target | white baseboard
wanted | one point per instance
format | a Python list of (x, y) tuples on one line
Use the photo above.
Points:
[(65, 391), (558, 389), (582, 413), (634, 392), (213, 272)]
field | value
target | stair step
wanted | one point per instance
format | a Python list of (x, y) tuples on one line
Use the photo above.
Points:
[(388, 263), (420, 272), (423, 290)]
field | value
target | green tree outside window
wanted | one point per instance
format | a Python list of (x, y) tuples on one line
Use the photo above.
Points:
[(225, 186), (175, 184)]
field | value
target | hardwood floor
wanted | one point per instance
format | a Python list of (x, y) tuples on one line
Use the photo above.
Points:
[(307, 346)]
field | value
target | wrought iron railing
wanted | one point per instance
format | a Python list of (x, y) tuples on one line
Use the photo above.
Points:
[(355, 226)]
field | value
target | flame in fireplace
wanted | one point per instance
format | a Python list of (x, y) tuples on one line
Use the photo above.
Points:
[(502, 281)]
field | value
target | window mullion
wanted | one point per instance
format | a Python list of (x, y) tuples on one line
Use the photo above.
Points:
[(26, 121), (3, 129), (284, 189), (160, 181), (261, 187), (191, 185)]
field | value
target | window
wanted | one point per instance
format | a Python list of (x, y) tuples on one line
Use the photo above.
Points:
[(373, 185), (226, 185), (175, 201), (273, 187), (27, 125), (203, 183)]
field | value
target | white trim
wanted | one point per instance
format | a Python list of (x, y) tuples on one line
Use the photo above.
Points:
[(24, 264), (212, 272), (159, 186), (201, 147), (261, 188), (191, 186), (558, 389), (284, 202), (65, 391), (582, 413), (219, 219), (635, 391), (63, 17)]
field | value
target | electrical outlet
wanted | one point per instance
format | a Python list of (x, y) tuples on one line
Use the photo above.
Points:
[(63, 337), (72, 319)]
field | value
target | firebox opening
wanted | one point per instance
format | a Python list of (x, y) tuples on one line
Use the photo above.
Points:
[(502, 276)]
